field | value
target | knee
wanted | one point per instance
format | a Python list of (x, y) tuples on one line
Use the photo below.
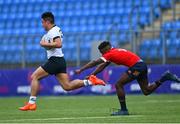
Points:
[(67, 88), (146, 92), (118, 85), (34, 77)]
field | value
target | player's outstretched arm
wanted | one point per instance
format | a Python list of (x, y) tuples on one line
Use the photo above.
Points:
[(89, 65), (100, 68)]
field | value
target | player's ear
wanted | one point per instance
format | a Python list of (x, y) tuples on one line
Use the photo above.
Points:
[(103, 50)]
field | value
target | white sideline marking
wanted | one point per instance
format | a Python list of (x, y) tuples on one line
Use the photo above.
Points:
[(72, 118), (167, 101)]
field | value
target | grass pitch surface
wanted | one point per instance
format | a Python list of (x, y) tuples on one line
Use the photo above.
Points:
[(92, 109)]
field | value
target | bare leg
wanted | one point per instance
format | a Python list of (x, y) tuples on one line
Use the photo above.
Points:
[(69, 85), (120, 89), (36, 76), (145, 87)]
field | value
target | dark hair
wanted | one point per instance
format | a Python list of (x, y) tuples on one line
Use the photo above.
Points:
[(48, 16), (104, 44)]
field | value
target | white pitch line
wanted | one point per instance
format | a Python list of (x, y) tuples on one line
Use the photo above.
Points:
[(167, 101), (71, 118)]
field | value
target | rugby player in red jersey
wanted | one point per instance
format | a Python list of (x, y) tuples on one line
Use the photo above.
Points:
[(137, 71)]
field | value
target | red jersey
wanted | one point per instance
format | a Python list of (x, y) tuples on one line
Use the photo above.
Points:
[(120, 57)]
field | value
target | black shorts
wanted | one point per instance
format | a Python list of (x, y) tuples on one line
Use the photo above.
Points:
[(55, 65), (138, 71)]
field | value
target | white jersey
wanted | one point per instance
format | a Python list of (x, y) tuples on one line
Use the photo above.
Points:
[(53, 33)]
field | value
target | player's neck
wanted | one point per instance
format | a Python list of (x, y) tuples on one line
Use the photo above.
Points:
[(51, 26)]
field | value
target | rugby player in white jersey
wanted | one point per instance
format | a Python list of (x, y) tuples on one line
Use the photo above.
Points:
[(55, 65)]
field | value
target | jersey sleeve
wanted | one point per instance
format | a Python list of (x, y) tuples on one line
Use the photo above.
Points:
[(55, 34), (106, 57)]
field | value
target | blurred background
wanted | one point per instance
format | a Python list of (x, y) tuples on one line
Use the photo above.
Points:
[(150, 28)]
